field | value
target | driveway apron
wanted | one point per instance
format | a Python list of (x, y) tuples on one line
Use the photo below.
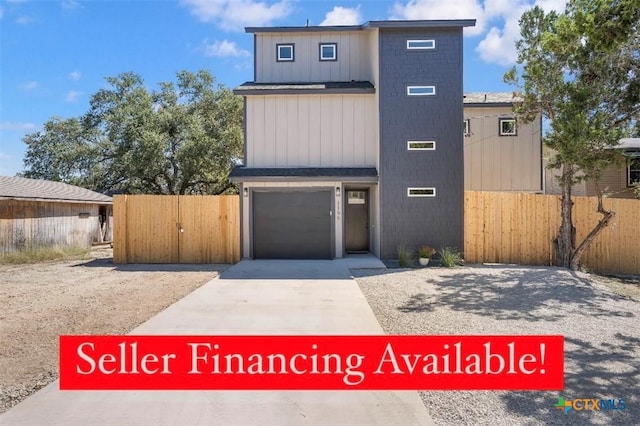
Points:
[(269, 297)]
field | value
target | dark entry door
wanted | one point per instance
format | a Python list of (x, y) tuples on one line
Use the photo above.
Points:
[(292, 225), (357, 221)]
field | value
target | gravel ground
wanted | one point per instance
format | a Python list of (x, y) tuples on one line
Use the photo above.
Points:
[(601, 329), (40, 302)]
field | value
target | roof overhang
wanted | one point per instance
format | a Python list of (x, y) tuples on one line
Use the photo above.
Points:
[(416, 24), (630, 147), (56, 200), (304, 174), (324, 88)]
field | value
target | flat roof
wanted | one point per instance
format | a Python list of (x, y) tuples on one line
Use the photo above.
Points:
[(395, 24), (329, 87), (489, 98)]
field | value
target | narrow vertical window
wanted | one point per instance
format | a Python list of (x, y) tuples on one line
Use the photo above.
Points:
[(328, 51), (634, 171), (466, 127), (285, 52)]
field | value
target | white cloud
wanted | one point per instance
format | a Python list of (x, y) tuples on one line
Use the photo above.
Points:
[(498, 46), (224, 49), (438, 9), (343, 16), (233, 15), (14, 126), (72, 96), (70, 4), (25, 20), (75, 75), (29, 86)]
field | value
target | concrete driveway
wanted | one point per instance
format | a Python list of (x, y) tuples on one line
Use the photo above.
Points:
[(252, 297)]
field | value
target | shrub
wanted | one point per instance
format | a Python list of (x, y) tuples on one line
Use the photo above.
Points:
[(450, 257), (404, 256), (426, 252)]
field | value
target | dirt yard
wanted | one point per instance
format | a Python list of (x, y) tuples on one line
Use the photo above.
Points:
[(40, 302)]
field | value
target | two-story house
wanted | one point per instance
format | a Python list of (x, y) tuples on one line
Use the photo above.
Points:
[(500, 154), (352, 140)]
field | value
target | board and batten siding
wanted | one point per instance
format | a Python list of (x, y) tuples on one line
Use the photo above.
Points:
[(312, 131), (30, 224), (501, 163), (353, 62)]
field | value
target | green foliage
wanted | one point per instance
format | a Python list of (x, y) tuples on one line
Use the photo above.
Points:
[(581, 71), (636, 190), (183, 138), (450, 257), (44, 254), (405, 256), (426, 252)]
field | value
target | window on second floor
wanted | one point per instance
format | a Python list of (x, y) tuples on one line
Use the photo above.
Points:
[(328, 51), (466, 127), (633, 172), (507, 127), (285, 52)]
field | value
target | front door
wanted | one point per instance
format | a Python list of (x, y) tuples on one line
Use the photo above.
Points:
[(356, 221)]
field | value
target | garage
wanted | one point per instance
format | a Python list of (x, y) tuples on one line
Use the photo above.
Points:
[(292, 224)]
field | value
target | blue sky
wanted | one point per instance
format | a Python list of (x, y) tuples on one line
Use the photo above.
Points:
[(54, 54)]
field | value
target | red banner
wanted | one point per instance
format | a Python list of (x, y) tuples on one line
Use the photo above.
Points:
[(311, 362)]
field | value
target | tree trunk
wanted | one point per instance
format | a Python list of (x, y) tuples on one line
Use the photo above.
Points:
[(604, 222), (565, 238)]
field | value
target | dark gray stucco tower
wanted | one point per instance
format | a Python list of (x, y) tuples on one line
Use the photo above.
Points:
[(433, 220)]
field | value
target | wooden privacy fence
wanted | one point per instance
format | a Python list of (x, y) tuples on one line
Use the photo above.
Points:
[(520, 228), (176, 229)]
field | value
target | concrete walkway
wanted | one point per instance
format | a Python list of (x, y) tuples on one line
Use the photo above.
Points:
[(252, 297)]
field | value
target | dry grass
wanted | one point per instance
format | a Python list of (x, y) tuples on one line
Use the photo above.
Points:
[(45, 254)]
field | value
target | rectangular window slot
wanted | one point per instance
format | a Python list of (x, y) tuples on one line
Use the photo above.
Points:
[(508, 127), (634, 171), (285, 52), (328, 51), (421, 44), (421, 90), (421, 192), (421, 145), (466, 126)]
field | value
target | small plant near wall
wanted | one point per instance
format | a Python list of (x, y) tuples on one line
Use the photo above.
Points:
[(405, 256), (450, 257), (424, 254)]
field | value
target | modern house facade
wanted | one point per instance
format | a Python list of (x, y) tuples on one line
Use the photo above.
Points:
[(352, 140), (500, 154)]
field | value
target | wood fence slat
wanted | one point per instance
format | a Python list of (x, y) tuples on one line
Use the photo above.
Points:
[(521, 228)]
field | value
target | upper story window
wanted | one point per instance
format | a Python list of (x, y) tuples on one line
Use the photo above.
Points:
[(421, 44), (507, 127), (328, 51), (633, 174), (421, 192), (285, 52), (421, 90), (466, 126)]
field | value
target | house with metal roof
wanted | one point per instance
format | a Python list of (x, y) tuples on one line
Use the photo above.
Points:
[(36, 213), (352, 140), (500, 153)]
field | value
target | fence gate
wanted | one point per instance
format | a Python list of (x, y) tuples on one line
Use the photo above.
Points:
[(176, 229)]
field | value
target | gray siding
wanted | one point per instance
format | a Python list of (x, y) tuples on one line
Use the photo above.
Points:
[(414, 221)]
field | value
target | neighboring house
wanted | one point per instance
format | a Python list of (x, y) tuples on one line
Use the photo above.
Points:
[(37, 213), (616, 181), (500, 154), (353, 140)]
